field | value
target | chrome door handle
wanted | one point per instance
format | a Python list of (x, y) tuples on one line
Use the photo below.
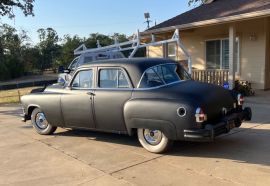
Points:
[(91, 93)]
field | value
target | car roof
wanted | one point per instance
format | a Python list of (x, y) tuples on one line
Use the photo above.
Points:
[(134, 67)]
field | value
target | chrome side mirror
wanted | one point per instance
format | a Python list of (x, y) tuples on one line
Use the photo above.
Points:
[(67, 71)]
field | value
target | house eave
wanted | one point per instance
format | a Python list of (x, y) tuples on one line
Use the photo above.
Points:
[(247, 16)]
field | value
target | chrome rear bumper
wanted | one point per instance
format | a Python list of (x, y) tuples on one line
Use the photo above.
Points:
[(224, 126)]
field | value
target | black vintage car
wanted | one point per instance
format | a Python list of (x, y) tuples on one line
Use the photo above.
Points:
[(155, 98)]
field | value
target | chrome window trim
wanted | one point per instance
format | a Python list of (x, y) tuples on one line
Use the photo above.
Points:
[(97, 88), (138, 86), (75, 74), (153, 88), (82, 88), (117, 68), (76, 58)]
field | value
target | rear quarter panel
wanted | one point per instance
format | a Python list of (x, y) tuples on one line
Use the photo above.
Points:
[(159, 114)]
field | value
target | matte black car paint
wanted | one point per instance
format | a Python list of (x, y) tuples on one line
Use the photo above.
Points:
[(121, 110)]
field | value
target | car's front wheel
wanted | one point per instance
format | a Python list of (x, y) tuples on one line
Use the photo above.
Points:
[(40, 123), (154, 141)]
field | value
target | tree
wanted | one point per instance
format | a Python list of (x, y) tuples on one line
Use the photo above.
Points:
[(190, 2), (17, 56), (104, 40), (48, 47), (31, 59), (120, 37), (6, 7), (67, 51), (11, 43)]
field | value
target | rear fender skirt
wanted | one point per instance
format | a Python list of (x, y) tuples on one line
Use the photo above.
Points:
[(166, 127), (160, 114)]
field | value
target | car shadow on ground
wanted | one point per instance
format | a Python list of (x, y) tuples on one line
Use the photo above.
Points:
[(101, 136), (237, 147), (12, 112), (238, 150)]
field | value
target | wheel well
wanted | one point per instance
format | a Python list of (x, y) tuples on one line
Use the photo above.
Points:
[(166, 127), (30, 110), (134, 131)]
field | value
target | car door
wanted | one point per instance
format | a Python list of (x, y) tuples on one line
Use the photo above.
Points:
[(113, 91), (77, 101)]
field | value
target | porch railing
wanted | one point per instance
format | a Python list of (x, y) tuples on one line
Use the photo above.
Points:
[(218, 77)]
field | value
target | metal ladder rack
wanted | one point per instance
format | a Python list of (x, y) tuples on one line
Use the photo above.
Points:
[(134, 45)]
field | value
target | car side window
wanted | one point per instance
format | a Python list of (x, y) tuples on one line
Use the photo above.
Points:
[(167, 73), (113, 78), (151, 79), (83, 80)]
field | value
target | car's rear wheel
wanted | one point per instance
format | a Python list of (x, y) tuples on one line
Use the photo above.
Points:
[(154, 141), (40, 123)]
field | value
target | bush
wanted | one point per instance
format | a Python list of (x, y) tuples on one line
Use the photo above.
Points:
[(4, 72), (14, 67), (244, 87)]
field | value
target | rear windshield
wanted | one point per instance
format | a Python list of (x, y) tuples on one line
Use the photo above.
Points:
[(163, 74)]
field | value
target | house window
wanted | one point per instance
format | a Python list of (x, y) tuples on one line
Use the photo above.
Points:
[(217, 54), (172, 51)]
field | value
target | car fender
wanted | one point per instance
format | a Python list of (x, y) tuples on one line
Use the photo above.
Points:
[(30, 108), (51, 109), (160, 114)]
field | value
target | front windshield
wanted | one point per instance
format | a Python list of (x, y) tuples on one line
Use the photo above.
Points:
[(162, 75)]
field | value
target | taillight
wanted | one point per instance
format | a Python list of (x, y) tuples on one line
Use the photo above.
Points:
[(200, 115), (240, 99)]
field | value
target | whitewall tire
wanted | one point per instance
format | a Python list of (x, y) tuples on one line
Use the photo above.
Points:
[(40, 123), (154, 140)]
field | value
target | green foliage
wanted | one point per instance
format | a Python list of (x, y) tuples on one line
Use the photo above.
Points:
[(6, 7), (18, 57), (104, 40), (10, 52), (244, 87), (31, 58), (68, 45), (15, 66), (4, 72), (48, 47), (191, 2)]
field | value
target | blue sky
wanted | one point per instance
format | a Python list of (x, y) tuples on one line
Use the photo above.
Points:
[(83, 17)]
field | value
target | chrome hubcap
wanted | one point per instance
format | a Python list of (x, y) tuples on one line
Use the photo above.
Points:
[(153, 137), (41, 121)]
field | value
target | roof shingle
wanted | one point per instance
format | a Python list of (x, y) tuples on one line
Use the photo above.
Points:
[(214, 10)]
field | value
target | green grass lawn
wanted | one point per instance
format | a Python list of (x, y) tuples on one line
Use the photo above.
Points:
[(12, 96)]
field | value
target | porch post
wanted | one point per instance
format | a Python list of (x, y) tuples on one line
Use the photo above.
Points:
[(165, 50), (232, 47)]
